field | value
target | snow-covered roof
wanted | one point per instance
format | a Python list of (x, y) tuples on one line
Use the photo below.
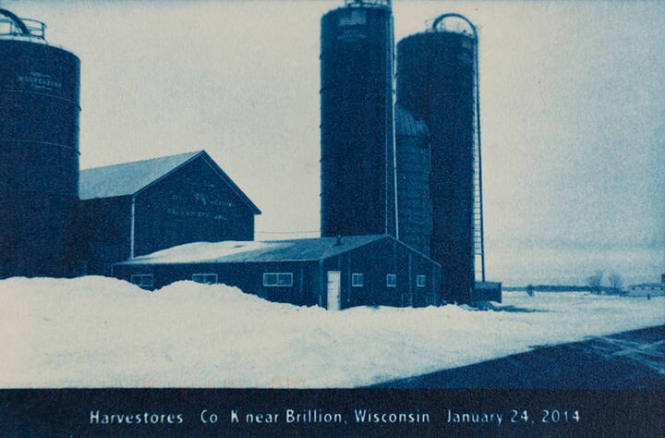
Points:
[(127, 178), (255, 251)]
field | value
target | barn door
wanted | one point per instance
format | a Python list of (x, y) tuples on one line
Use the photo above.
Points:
[(334, 290)]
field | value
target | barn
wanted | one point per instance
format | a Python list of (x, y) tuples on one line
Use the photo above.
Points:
[(136, 208), (332, 272)]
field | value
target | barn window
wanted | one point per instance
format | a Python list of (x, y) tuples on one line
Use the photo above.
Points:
[(391, 280), (142, 280), (421, 280), (357, 279), (278, 279), (207, 278)]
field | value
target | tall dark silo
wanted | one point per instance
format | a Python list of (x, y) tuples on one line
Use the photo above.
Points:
[(437, 80), (357, 120), (39, 130), (414, 206)]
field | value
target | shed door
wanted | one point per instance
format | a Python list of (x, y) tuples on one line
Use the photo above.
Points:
[(334, 290)]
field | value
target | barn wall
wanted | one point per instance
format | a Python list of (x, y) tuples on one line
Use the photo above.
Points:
[(192, 204), (100, 235)]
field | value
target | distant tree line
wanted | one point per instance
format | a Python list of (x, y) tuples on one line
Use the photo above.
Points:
[(550, 288), (594, 283)]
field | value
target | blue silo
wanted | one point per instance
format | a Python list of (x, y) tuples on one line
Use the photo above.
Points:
[(437, 80), (357, 120), (39, 152)]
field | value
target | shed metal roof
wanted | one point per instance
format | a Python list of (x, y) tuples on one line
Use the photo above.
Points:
[(255, 251), (127, 179)]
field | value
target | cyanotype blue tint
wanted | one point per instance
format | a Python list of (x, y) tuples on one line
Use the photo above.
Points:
[(414, 205), (136, 208), (39, 149), (437, 81), (571, 101), (386, 271), (357, 122)]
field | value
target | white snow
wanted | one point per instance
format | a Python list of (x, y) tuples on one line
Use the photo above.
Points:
[(97, 332)]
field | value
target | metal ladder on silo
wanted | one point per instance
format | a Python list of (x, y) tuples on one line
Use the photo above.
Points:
[(478, 238), (477, 211)]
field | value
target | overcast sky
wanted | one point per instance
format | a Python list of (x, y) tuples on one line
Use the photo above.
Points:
[(572, 112)]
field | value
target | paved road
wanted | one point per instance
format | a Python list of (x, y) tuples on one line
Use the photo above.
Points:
[(629, 360)]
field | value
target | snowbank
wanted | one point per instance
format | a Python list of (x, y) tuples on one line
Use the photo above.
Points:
[(96, 332)]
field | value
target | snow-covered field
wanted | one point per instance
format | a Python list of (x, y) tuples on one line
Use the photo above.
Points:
[(97, 332)]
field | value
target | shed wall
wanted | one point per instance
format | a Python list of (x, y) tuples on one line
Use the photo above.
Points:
[(246, 276), (374, 261)]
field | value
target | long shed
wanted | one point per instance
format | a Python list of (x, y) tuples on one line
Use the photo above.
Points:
[(137, 208), (331, 272)]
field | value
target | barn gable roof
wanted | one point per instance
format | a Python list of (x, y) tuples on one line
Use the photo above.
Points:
[(127, 179), (256, 251)]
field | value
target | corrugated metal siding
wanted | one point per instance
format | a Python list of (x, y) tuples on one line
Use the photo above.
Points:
[(413, 173)]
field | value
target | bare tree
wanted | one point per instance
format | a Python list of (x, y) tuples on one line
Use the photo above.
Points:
[(615, 281), (595, 281)]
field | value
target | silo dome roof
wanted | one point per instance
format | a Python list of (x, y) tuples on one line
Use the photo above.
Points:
[(407, 124)]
